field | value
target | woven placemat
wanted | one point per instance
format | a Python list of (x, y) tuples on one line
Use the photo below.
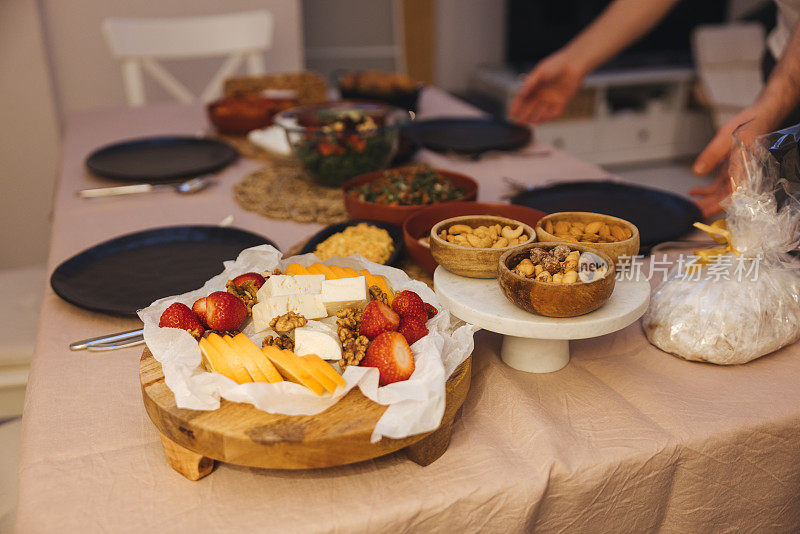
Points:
[(282, 190), (405, 264)]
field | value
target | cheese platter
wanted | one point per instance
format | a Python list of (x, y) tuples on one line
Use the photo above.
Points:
[(301, 364)]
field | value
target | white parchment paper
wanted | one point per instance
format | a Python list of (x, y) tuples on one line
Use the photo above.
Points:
[(415, 405)]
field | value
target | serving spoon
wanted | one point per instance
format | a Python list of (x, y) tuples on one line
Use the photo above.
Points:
[(185, 188)]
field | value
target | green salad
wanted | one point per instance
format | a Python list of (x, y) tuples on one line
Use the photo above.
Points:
[(409, 186)]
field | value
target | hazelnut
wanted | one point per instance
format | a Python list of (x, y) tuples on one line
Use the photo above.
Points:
[(537, 254), (551, 265), (560, 252)]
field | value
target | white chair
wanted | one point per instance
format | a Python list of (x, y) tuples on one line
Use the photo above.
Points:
[(139, 43)]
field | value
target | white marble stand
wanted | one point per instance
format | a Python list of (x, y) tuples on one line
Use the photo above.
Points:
[(531, 342)]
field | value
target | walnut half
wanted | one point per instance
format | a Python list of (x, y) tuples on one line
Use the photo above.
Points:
[(282, 342), (287, 322)]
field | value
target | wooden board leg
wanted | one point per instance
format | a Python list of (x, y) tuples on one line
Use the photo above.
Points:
[(188, 463), (428, 450)]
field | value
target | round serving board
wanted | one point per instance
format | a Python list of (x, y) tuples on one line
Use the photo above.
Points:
[(532, 342), (238, 433)]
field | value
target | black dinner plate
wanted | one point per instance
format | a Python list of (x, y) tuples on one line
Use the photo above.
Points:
[(659, 215), (395, 233), (160, 159), (127, 273), (468, 136)]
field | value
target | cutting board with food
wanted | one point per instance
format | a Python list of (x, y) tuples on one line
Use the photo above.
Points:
[(302, 364)]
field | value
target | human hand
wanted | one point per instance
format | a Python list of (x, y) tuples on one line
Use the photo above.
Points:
[(548, 89), (712, 195), (753, 123)]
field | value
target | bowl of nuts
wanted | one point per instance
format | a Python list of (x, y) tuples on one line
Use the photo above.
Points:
[(556, 279), (604, 233), (471, 245)]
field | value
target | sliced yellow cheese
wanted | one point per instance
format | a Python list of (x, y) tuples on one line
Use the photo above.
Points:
[(338, 272), (247, 360), (351, 273), (296, 268), (321, 268), (323, 369), (213, 359), (288, 363), (233, 367), (250, 350)]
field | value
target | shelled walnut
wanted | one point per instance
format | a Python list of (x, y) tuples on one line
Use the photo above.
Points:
[(287, 322), (282, 342), (354, 346), (353, 351), (246, 292), (378, 294)]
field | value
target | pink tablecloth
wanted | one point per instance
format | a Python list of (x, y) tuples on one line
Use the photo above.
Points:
[(625, 438)]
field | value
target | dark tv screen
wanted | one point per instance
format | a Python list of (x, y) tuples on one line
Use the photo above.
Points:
[(537, 28)]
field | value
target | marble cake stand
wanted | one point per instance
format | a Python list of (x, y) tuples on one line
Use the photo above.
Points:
[(535, 343)]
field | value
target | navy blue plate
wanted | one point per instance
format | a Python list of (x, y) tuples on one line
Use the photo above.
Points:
[(160, 159), (325, 233), (659, 215), (470, 137), (127, 273)]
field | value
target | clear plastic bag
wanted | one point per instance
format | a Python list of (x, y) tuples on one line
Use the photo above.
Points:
[(740, 306)]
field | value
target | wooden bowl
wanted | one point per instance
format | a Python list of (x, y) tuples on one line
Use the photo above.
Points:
[(397, 215), (470, 261), (628, 247), (420, 223), (549, 298)]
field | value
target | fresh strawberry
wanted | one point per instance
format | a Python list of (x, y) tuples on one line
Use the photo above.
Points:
[(409, 304), (249, 278), (431, 310), (180, 316), (377, 319), (390, 353), (224, 311), (412, 329), (199, 308)]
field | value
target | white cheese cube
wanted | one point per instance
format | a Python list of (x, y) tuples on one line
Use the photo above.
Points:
[(309, 306), (343, 292), (283, 284), (317, 338)]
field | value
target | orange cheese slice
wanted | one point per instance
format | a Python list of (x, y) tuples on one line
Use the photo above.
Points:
[(321, 268), (288, 363), (247, 360), (213, 359), (339, 272), (380, 281), (232, 367), (251, 353), (320, 369), (351, 273), (296, 268)]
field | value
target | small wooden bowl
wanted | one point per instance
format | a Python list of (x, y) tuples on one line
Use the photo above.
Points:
[(628, 247), (549, 298), (469, 261), (419, 224), (397, 215)]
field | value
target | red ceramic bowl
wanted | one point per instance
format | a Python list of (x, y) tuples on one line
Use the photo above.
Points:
[(238, 115), (419, 224), (372, 211)]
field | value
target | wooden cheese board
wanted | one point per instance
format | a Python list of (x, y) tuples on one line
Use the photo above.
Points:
[(238, 433)]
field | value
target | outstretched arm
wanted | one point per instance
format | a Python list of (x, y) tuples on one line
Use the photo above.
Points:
[(555, 80)]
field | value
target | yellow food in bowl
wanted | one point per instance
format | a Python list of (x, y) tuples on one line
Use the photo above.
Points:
[(374, 243)]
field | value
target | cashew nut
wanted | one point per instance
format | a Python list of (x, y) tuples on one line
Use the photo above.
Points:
[(508, 233), (460, 229), (478, 242), (570, 277), (500, 243)]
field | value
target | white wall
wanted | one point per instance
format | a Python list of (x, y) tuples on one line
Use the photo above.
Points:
[(469, 33), (85, 75), (28, 138)]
